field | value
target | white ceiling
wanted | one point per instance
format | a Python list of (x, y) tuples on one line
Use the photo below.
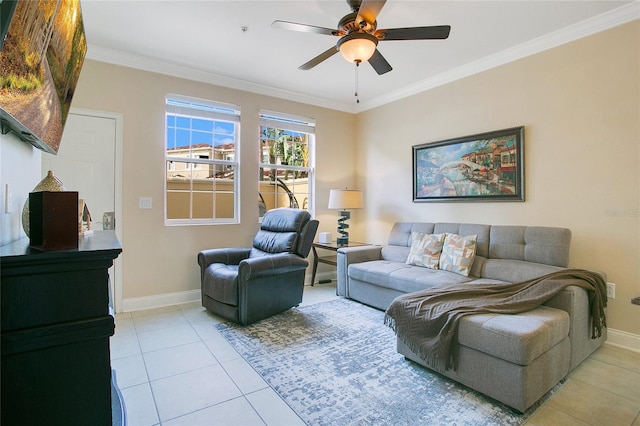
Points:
[(203, 40)]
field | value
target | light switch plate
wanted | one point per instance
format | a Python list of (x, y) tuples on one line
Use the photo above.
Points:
[(146, 203)]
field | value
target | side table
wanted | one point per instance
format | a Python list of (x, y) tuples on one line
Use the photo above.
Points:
[(331, 259)]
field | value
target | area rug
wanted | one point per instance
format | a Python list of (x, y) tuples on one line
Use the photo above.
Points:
[(335, 363)]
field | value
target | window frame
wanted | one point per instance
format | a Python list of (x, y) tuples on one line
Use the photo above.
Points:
[(293, 123), (186, 106)]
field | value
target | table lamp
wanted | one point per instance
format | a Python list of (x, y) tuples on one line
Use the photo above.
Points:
[(344, 199)]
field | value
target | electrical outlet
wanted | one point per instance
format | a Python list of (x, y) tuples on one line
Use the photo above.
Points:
[(611, 290)]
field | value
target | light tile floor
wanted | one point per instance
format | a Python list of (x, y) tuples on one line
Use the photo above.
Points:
[(174, 368)]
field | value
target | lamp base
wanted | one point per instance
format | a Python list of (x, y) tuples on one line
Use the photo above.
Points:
[(343, 216)]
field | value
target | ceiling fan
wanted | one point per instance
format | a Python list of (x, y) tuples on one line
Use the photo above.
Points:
[(359, 35)]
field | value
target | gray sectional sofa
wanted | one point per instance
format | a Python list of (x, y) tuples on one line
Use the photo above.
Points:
[(514, 359)]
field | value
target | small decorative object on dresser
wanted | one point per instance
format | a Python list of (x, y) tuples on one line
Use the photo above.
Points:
[(49, 183), (84, 219), (109, 221), (53, 220)]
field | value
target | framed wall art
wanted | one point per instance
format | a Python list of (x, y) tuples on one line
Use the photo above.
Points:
[(483, 167)]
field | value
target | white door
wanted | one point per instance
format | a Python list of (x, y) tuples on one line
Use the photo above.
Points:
[(86, 162)]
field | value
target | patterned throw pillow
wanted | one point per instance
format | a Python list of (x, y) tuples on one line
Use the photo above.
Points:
[(458, 253), (425, 249)]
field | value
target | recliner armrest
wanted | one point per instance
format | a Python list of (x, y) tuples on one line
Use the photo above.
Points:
[(228, 256), (256, 267)]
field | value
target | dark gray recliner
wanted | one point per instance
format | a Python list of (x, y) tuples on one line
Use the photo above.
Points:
[(246, 285)]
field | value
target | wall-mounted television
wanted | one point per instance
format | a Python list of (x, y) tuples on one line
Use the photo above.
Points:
[(42, 49)]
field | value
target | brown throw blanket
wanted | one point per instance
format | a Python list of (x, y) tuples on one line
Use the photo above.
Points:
[(427, 321)]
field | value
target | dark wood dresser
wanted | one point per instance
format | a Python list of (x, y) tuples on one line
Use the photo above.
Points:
[(56, 324)]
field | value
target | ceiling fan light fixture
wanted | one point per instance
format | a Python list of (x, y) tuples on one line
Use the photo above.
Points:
[(357, 47)]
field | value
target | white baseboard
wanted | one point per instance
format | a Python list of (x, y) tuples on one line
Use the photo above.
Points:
[(159, 300), (320, 277), (623, 339), (169, 299)]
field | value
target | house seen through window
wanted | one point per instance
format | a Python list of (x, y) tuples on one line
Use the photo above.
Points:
[(286, 177), (201, 185)]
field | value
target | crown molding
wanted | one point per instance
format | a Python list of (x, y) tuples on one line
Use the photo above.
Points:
[(146, 63), (622, 15), (611, 19)]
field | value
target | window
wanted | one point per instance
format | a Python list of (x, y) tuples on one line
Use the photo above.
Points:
[(201, 179), (286, 162)]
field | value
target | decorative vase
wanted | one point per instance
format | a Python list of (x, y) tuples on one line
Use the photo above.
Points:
[(49, 183)]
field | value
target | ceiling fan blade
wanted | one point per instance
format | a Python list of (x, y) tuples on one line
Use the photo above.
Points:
[(293, 26), (379, 63), (369, 10), (439, 32), (321, 57)]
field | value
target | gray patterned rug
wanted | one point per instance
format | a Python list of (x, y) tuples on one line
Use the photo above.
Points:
[(335, 363)]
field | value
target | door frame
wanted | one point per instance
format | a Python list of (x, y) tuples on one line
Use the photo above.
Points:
[(118, 119)]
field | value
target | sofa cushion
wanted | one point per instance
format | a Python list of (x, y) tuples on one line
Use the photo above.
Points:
[(478, 264), (482, 231), (486, 281), (400, 234), (395, 253), (425, 249), (458, 253), (400, 276), (517, 338), (536, 244), (513, 270)]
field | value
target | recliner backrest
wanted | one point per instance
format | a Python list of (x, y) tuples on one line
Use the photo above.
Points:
[(281, 231), (306, 238)]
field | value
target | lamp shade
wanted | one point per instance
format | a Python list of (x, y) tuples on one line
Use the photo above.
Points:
[(357, 47), (345, 199)]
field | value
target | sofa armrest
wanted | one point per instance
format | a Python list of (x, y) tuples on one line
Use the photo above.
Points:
[(575, 301), (348, 255), (258, 267)]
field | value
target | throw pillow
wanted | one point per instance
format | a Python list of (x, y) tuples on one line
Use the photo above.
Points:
[(425, 249), (458, 253)]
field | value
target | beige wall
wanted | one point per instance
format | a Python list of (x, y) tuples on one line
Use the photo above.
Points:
[(579, 104), (158, 259)]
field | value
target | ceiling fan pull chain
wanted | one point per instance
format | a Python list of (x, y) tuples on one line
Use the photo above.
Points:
[(357, 66)]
